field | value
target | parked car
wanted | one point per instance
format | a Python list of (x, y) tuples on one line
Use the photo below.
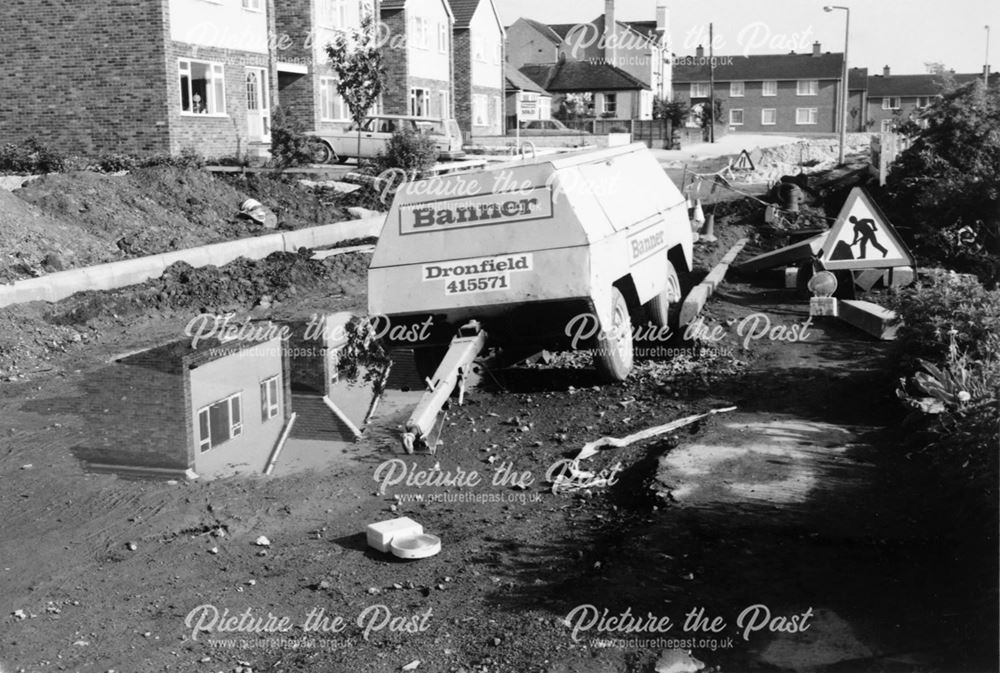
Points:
[(339, 146), (549, 127)]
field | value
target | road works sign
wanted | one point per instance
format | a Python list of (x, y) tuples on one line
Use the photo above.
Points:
[(863, 238)]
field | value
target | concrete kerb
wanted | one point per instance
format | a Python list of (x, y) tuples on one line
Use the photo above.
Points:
[(56, 286), (700, 294)]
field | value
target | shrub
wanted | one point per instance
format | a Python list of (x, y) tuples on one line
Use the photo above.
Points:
[(31, 156), (113, 162), (188, 158), (290, 146), (408, 150)]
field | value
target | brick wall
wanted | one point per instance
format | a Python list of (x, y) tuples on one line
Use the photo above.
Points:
[(297, 94), (396, 98), (85, 75), (462, 64), (785, 103)]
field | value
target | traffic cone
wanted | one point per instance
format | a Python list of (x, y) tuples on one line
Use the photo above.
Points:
[(708, 233)]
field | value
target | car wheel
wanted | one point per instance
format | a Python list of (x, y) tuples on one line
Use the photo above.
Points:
[(614, 348), (322, 153), (658, 307)]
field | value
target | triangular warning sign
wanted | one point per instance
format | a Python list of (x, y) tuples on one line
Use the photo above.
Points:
[(863, 238), (743, 162)]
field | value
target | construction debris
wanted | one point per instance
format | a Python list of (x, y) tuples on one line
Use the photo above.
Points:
[(593, 448)]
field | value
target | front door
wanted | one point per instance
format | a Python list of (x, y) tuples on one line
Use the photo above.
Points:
[(258, 110)]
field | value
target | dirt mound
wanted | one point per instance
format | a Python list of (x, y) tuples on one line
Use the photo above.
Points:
[(32, 243)]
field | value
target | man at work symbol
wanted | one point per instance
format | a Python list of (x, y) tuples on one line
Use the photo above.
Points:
[(864, 232)]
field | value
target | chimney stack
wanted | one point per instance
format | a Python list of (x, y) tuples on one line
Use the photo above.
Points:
[(699, 52), (885, 71), (610, 28), (816, 48), (662, 16)]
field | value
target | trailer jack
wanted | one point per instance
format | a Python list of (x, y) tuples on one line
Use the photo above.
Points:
[(453, 371)]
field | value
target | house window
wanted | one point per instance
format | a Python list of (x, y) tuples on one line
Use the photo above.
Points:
[(737, 89), (611, 103), (331, 104), (890, 103), (270, 399), (220, 422), (769, 116), (807, 87), (203, 87), (699, 89), (480, 111), (736, 117), (806, 115), (886, 126), (420, 31), (479, 48), (420, 102), (333, 13), (443, 38), (253, 5), (769, 88)]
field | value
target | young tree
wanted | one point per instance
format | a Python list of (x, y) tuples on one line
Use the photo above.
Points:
[(356, 56)]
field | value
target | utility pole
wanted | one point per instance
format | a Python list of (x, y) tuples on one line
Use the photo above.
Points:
[(711, 84)]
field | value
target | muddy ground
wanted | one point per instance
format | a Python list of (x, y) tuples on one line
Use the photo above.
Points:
[(801, 501)]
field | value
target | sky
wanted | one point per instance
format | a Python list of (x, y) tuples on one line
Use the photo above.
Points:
[(904, 34)]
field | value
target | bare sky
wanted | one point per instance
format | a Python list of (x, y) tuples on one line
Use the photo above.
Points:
[(901, 33)]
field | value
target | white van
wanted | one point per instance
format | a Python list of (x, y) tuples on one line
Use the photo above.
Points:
[(339, 146)]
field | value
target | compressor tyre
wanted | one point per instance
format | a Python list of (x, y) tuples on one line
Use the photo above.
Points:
[(659, 306), (614, 348)]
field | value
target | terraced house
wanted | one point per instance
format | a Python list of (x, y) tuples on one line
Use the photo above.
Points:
[(417, 52), (307, 85), (140, 77)]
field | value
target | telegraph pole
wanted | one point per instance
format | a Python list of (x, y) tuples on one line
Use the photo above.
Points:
[(711, 84)]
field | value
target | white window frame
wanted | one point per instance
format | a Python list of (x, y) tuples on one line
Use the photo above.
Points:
[(216, 86), (887, 126), (923, 102), (330, 100), (812, 113), (270, 398), (480, 104), (232, 403), (737, 89), (253, 5), (420, 29), (424, 95), (769, 87), (610, 109), (807, 87), (774, 117), (732, 121), (697, 88), (443, 38), (887, 103), (332, 13)]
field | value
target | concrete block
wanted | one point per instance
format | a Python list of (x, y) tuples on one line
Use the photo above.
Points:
[(791, 277), (380, 535), (693, 303), (737, 248), (869, 317)]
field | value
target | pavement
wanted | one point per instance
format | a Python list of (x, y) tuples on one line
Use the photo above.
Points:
[(724, 146)]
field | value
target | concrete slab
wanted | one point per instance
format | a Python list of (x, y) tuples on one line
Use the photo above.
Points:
[(869, 317), (693, 303), (784, 256)]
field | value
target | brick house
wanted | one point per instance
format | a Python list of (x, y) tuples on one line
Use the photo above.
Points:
[(518, 85), (178, 412), (893, 99), (602, 89), (418, 58), (478, 39), (771, 93), (141, 77), (307, 85)]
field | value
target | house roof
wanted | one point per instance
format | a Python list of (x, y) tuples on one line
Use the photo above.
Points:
[(644, 29), (562, 29), (464, 10), (569, 75), (915, 85), (396, 5), (760, 67), (516, 81), (545, 30)]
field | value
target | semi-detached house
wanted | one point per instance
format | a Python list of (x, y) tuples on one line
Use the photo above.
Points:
[(479, 58), (143, 77), (417, 53)]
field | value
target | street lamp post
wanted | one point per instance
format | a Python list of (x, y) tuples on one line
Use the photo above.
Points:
[(844, 92)]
